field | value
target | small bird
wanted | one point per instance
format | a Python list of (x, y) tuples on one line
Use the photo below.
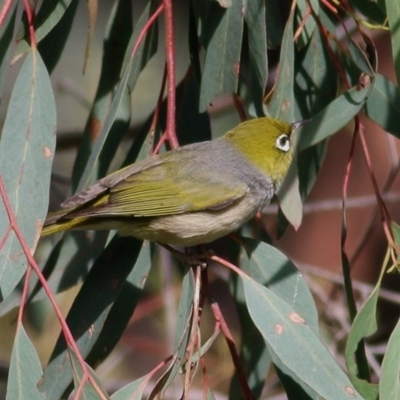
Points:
[(187, 196)]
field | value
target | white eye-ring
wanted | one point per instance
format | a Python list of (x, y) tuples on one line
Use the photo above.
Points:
[(283, 142)]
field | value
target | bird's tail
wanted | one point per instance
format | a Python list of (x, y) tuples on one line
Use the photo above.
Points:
[(55, 222)]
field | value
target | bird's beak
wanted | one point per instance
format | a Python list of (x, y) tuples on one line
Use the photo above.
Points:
[(297, 125)]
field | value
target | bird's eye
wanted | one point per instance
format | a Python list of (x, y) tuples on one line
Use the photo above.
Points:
[(283, 142)]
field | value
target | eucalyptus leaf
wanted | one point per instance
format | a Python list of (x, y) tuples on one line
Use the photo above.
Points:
[(26, 155), (295, 344), (222, 58), (383, 105), (393, 15), (389, 385), (25, 369), (334, 116)]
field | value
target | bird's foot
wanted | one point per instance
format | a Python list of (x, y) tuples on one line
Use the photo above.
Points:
[(198, 258)]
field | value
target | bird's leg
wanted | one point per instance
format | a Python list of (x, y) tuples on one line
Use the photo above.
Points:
[(190, 259)]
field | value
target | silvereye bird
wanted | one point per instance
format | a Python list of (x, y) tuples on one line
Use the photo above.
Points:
[(188, 196)]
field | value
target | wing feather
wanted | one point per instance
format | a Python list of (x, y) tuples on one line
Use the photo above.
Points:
[(160, 186), (150, 193)]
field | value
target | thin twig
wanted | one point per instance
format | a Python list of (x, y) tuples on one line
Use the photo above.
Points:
[(145, 29), (232, 349), (170, 57), (32, 264), (4, 11), (29, 17)]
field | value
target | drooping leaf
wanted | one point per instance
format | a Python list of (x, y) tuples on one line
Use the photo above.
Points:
[(364, 325), (389, 385), (383, 105), (222, 58), (133, 390), (46, 19), (118, 31), (277, 13), (25, 369), (26, 155), (295, 345), (308, 28), (334, 117), (123, 308), (393, 15), (360, 59), (90, 310), (182, 335), (6, 32), (370, 10), (52, 45), (282, 100), (92, 387), (255, 18)]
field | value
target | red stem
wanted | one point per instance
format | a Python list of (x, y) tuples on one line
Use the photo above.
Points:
[(24, 296), (29, 17), (232, 349), (146, 27), (32, 263), (4, 11), (170, 57), (329, 6), (157, 113)]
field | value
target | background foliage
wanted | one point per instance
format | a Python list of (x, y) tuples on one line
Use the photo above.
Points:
[(196, 68)]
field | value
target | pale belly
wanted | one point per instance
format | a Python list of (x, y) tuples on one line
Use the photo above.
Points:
[(193, 228)]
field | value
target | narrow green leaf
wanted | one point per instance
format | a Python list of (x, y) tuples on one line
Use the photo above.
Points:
[(370, 10), (282, 101), (389, 385), (295, 344), (51, 47), (309, 163), (26, 156), (364, 325), (393, 15), (128, 78), (383, 105), (118, 31), (254, 15), (271, 268), (282, 107), (123, 308), (92, 389), (25, 369), (309, 27), (316, 78), (289, 196), (222, 58), (45, 20), (276, 16), (182, 334), (254, 356), (133, 390), (90, 309), (6, 39), (191, 124), (359, 58), (292, 388), (334, 117)]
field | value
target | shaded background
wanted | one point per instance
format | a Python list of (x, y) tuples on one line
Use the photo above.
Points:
[(314, 248)]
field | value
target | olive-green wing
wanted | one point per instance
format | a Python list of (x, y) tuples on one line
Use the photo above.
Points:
[(162, 189)]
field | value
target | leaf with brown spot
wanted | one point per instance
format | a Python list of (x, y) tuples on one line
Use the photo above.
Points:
[(296, 348), (28, 129), (294, 317)]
